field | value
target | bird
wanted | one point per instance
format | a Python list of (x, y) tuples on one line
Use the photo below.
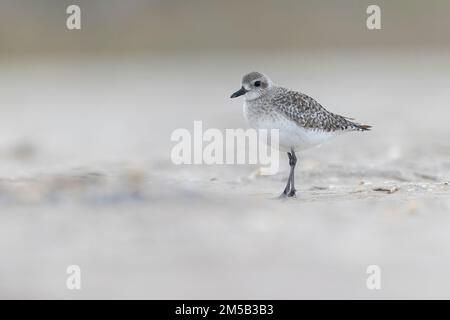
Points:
[(301, 121)]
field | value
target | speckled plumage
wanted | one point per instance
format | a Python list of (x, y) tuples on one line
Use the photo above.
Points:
[(307, 112), (301, 121), (299, 107), (270, 106)]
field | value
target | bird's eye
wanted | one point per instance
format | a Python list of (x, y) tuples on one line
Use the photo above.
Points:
[(257, 83)]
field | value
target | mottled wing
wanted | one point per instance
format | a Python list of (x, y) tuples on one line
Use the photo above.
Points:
[(308, 113)]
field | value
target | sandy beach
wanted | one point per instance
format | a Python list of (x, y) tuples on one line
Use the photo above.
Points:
[(86, 179)]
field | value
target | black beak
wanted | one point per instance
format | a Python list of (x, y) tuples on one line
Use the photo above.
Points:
[(238, 93)]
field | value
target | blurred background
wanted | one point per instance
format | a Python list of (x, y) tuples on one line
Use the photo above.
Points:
[(86, 178), (175, 26)]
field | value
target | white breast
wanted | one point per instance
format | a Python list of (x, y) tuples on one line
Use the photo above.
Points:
[(292, 136)]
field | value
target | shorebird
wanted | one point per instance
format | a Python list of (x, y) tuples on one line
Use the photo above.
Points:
[(302, 122)]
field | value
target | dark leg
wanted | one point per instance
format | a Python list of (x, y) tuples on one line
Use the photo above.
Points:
[(292, 163), (289, 190)]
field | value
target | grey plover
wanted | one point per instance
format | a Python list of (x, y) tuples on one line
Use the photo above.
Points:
[(302, 122)]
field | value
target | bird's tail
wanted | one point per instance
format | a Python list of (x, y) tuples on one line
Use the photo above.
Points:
[(362, 127), (356, 126)]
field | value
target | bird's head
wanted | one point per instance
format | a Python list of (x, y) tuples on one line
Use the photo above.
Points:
[(254, 85)]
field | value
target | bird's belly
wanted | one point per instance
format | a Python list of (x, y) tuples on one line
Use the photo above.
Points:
[(291, 135), (298, 138)]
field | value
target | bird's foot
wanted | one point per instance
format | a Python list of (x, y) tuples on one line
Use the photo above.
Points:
[(283, 196), (287, 194), (292, 194)]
